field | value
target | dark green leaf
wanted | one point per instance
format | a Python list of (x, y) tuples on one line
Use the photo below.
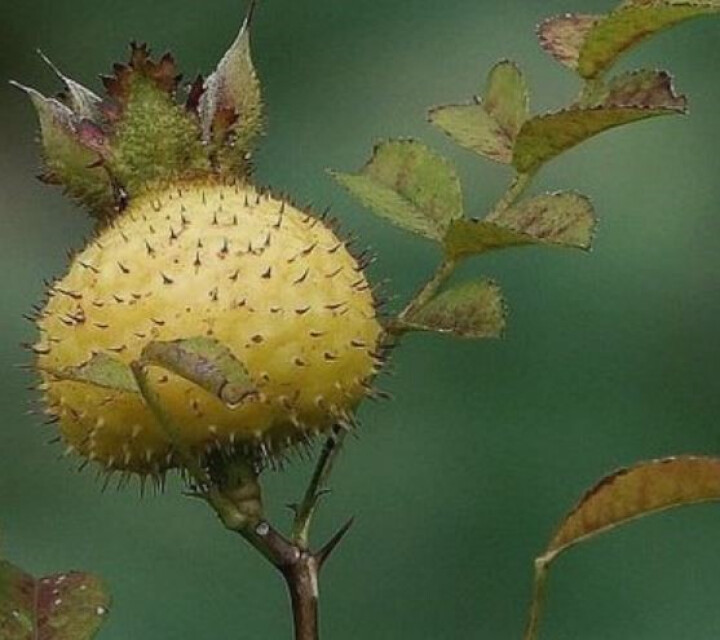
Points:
[(68, 606), (410, 185), (205, 362), (470, 310), (544, 137), (470, 236)]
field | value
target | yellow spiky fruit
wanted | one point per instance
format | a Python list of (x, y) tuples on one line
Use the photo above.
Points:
[(272, 283)]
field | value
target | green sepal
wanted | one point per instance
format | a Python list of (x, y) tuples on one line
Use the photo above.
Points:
[(67, 606), (73, 148), (230, 107), (469, 310), (409, 185)]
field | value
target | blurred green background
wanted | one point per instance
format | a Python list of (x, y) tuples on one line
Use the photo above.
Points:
[(457, 484)]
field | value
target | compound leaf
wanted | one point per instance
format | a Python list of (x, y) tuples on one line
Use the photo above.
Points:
[(470, 310), (409, 185), (66, 606)]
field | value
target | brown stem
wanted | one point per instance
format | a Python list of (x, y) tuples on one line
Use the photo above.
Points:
[(302, 583)]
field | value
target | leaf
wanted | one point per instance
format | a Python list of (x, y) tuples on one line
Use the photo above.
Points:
[(66, 606), (643, 88), (231, 104), (564, 219), (640, 490), (544, 137), (409, 185), (623, 496), (489, 127), (632, 23), (83, 102), (591, 44), (470, 310), (563, 36), (205, 362), (100, 370)]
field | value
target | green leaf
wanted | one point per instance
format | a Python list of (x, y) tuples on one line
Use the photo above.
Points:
[(489, 127), (507, 98), (562, 219), (632, 23), (470, 310), (207, 363), (67, 606), (409, 185), (645, 488), (591, 44), (563, 36), (100, 370), (544, 137), (230, 107)]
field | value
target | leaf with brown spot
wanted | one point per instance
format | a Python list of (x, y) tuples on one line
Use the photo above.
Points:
[(470, 310), (83, 102), (562, 219), (205, 362), (643, 88), (489, 127), (68, 606), (563, 36), (409, 185)]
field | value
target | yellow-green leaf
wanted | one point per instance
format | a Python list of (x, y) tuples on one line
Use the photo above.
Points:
[(206, 362), (470, 310), (409, 185), (489, 126), (67, 606), (100, 370), (631, 23)]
